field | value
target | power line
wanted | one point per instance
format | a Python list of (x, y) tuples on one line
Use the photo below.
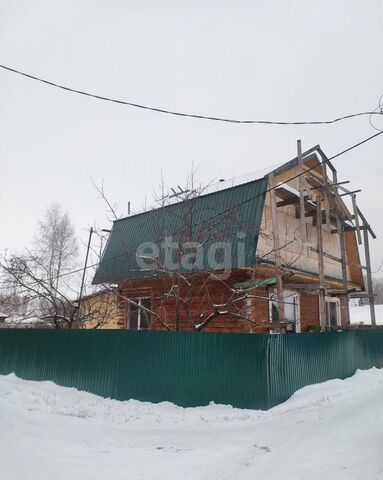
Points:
[(189, 115), (326, 160), (380, 266), (378, 109)]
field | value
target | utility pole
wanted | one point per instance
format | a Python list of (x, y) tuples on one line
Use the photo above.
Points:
[(84, 272)]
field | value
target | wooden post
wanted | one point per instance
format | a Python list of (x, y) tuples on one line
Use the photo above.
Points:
[(278, 262), (302, 196), (325, 194), (345, 304), (369, 276), (355, 211), (322, 299)]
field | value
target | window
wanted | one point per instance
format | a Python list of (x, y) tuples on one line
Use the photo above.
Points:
[(292, 310), (332, 312), (139, 316)]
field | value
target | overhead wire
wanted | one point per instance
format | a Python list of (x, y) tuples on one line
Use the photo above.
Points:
[(184, 114), (378, 110)]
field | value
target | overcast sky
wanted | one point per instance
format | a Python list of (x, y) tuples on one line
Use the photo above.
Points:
[(276, 60)]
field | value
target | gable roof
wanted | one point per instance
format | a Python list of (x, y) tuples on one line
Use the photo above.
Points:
[(227, 212)]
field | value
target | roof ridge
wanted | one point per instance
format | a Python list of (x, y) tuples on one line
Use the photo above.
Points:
[(194, 198), (308, 153)]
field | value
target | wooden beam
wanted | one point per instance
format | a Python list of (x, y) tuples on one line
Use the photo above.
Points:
[(330, 184), (350, 229), (326, 200), (326, 160), (341, 204), (349, 193), (339, 260), (334, 191), (278, 261), (325, 196), (356, 219), (334, 199), (306, 286), (365, 223), (327, 255), (357, 265), (291, 201), (301, 195), (342, 293), (361, 295), (369, 277), (345, 307), (322, 299)]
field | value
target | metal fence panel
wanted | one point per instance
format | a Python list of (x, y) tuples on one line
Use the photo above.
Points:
[(297, 360), (187, 368)]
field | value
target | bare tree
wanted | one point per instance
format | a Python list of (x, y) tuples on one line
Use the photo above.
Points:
[(56, 243), (41, 277), (111, 207), (377, 287)]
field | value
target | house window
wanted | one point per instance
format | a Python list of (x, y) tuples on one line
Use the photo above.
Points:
[(332, 312), (139, 316), (291, 307)]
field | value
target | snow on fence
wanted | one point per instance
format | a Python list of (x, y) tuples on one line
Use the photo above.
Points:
[(187, 368)]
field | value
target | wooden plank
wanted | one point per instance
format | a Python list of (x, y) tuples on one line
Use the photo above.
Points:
[(361, 295), (306, 286), (278, 262), (369, 277), (357, 265), (345, 307), (341, 204), (301, 196), (350, 193), (339, 260), (365, 223), (356, 219), (291, 201), (307, 188), (327, 255), (335, 201), (331, 185), (351, 229), (334, 190), (322, 299), (327, 201)]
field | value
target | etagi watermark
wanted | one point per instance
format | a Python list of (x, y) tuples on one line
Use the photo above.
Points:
[(173, 256)]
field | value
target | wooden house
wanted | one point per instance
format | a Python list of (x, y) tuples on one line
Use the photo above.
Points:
[(276, 254), (99, 310)]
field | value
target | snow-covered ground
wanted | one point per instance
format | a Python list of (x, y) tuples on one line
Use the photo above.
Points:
[(330, 431), (362, 314)]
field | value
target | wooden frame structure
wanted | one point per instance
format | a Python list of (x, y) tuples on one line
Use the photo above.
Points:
[(320, 197)]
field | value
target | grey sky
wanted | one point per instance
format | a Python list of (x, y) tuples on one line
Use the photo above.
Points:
[(288, 60)]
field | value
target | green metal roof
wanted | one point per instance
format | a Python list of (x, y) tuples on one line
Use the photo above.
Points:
[(214, 217)]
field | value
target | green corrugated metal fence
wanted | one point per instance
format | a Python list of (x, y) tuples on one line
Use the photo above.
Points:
[(189, 369)]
